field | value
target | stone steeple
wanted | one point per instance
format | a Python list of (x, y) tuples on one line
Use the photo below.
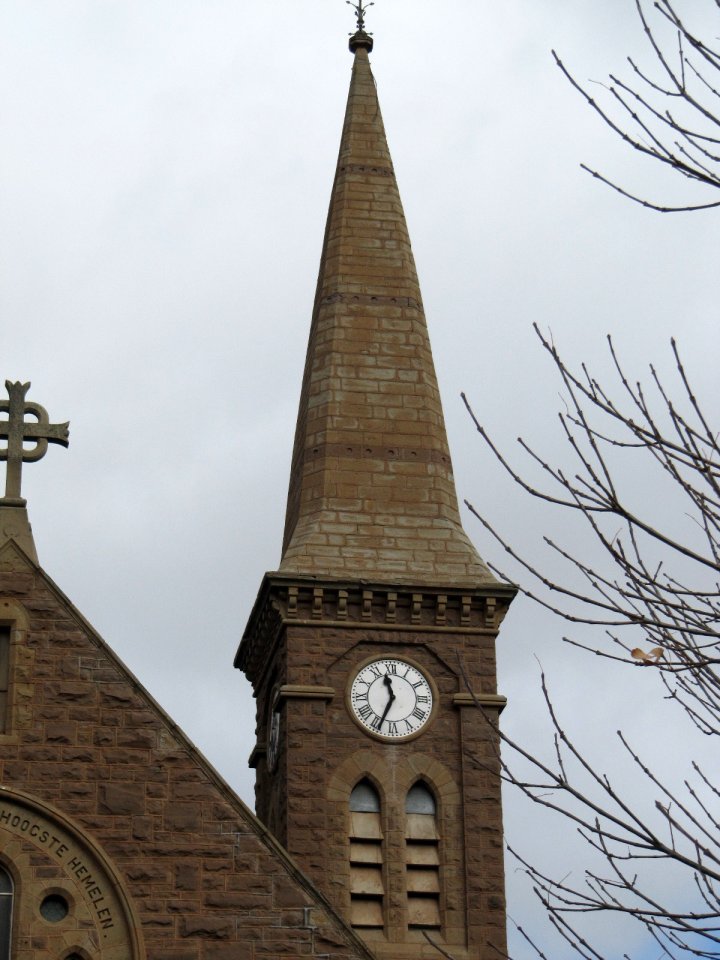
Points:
[(371, 486), (379, 591)]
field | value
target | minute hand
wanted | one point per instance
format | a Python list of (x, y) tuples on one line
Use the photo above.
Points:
[(388, 683)]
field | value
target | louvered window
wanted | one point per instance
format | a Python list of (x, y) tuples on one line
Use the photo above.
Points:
[(4, 678), (6, 909), (366, 853), (422, 859)]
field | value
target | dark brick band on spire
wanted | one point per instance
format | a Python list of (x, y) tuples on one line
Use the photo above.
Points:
[(371, 487)]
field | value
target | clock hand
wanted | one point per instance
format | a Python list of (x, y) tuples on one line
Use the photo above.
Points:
[(388, 683)]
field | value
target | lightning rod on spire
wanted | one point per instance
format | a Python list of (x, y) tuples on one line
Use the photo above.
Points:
[(360, 9)]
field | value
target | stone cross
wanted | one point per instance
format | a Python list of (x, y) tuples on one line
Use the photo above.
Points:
[(17, 432)]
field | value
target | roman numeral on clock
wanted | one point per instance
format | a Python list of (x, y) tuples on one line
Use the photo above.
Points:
[(391, 698)]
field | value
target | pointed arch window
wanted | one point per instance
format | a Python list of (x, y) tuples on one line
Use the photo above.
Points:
[(4, 677), (366, 858), (422, 859), (6, 910)]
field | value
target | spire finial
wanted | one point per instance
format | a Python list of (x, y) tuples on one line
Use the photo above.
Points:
[(360, 38), (360, 9)]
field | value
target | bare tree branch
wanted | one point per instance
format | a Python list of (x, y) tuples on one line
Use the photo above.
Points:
[(657, 594), (674, 120)]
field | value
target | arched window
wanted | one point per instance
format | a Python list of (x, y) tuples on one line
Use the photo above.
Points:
[(366, 867), (6, 910), (4, 677), (422, 859)]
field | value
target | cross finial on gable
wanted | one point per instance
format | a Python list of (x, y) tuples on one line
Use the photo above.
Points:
[(17, 432)]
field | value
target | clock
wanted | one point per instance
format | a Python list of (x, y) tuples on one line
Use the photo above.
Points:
[(391, 699), (273, 733)]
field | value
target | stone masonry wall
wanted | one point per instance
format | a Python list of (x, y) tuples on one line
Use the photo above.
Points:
[(324, 754), (206, 881)]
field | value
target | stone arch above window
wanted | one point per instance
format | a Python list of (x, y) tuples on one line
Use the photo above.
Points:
[(393, 780), (56, 865)]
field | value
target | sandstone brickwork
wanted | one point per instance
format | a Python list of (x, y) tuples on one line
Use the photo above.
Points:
[(118, 841), (376, 564), (302, 648), (371, 485), (106, 804)]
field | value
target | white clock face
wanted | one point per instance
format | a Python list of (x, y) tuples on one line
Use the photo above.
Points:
[(391, 698)]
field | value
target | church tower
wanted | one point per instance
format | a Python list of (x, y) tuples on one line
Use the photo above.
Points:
[(371, 649)]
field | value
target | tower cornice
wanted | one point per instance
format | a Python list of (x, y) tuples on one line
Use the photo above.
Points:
[(288, 599)]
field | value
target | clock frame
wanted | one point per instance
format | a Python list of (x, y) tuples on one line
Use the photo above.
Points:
[(392, 699)]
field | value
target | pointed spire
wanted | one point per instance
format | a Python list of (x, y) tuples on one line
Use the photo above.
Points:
[(371, 492)]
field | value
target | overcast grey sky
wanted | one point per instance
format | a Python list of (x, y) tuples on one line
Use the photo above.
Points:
[(164, 177)]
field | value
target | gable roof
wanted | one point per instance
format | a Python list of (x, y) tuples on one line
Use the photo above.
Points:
[(134, 782)]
